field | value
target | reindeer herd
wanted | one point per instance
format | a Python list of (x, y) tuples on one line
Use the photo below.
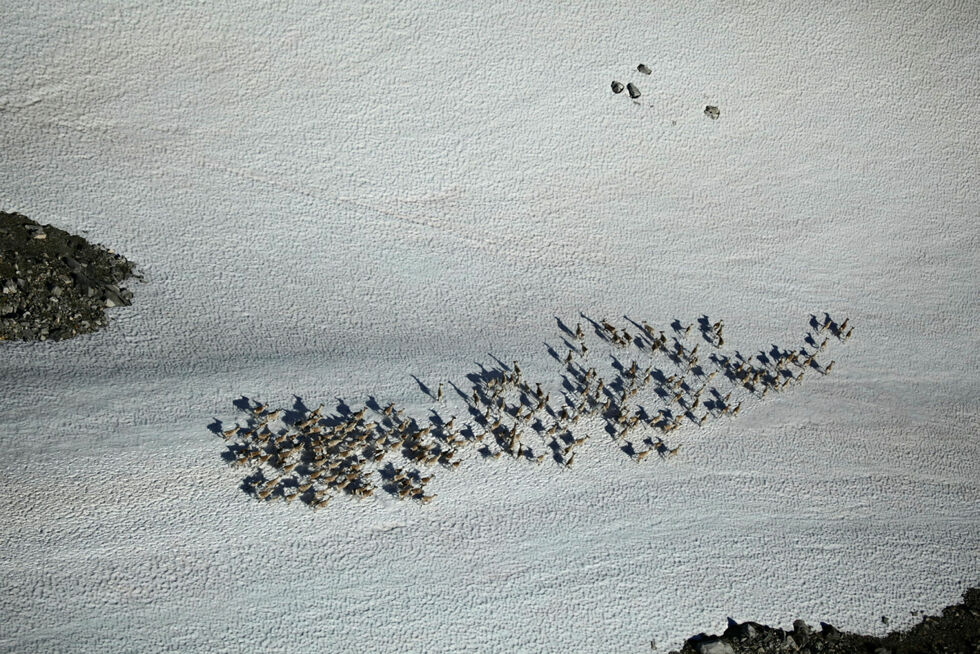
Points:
[(657, 382)]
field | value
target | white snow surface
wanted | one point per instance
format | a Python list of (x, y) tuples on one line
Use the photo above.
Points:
[(328, 198)]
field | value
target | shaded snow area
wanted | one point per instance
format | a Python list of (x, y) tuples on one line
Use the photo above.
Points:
[(356, 200)]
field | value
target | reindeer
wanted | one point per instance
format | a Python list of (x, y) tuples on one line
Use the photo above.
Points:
[(242, 459), (271, 484)]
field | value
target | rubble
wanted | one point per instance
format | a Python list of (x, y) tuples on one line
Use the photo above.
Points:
[(55, 285), (956, 631)]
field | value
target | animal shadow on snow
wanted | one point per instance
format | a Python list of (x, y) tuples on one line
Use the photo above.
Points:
[(623, 398)]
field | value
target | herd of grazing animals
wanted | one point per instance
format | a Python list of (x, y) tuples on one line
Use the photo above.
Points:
[(667, 383)]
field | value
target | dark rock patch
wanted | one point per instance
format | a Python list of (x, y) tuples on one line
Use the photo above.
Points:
[(956, 631), (55, 285)]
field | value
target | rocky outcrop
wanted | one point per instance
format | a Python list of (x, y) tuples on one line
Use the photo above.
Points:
[(956, 631), (55, 285)]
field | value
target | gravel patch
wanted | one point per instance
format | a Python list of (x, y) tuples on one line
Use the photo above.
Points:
[(55, 285), (956, 631)]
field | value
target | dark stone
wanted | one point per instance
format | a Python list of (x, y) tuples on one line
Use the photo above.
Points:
[(633, 91), (617, 87), (743, 631), (802, 630), (643, 68), (829, 631), (712, 112)]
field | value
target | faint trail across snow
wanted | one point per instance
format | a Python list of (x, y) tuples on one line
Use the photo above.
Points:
[(486, 242)]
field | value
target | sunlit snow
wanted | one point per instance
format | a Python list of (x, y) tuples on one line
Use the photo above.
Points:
[(329, 199)]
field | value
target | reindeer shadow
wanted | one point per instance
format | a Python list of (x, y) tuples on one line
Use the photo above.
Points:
[(564, 328), (422, 387), (460, 392), (316, 438), (298, 411), (638, 326), (596, 327), (503, 366)]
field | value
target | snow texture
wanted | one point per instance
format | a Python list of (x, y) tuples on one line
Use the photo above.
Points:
[(329, 198)]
